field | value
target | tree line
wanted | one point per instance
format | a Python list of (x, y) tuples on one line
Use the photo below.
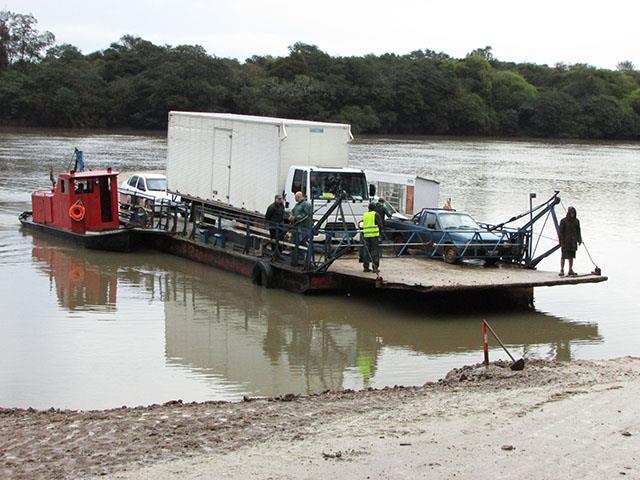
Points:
[(134, 83)]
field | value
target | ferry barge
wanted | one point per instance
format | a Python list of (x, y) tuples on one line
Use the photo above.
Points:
[(84, 207)]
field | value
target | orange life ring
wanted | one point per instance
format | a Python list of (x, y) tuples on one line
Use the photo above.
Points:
[(76, 274), (76, 212)]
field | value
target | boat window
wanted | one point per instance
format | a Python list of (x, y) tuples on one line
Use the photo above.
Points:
[(83, 186), (326, 185), (133, 181), (141, 184), (63, 186), (157, 184)]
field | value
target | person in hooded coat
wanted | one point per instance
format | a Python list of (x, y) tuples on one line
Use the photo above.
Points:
[(570, 237)]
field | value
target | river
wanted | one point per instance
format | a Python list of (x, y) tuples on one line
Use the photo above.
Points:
[(84, 329)]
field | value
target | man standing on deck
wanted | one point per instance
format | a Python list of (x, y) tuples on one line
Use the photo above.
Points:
[(302, 220), (275, 222), (301, 214), (570, 237), (370, 250), (381, 210)]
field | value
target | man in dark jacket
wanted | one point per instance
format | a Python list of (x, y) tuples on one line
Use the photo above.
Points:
[(381, 210), (275, 222), (302, 219), (570, 237)]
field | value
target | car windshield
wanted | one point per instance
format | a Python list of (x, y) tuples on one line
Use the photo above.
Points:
[(326, 185), (454, 221), (157, 184), (388, 208)]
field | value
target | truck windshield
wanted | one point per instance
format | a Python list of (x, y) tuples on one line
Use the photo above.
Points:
[(157, 184), (455, 221), (326, 185)]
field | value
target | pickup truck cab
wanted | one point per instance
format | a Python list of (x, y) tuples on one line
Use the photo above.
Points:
[(448, 234)]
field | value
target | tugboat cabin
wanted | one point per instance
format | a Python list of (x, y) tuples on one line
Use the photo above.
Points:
[(80, 202)]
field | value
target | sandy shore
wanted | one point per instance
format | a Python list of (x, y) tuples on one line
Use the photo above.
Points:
[(552, 420)]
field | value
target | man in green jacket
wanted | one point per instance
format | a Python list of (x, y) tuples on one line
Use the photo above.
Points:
[(301, 219), (301, 214)]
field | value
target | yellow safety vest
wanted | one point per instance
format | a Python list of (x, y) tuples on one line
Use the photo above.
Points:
[(369, 227)]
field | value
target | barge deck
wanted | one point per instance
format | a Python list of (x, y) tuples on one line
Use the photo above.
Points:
[(428, 275)]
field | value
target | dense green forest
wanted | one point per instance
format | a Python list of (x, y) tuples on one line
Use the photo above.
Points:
[(134, 83)]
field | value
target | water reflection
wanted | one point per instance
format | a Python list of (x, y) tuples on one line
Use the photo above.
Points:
[(80, 283), (266, 342), (308, 344)]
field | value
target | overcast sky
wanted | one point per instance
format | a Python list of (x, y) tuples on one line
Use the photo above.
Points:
[(600, 33)]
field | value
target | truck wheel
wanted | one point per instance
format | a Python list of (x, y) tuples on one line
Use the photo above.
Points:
[(262, 275), (450, 255)]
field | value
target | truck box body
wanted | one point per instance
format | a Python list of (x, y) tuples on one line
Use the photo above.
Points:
[(408, 194), (244, 160)]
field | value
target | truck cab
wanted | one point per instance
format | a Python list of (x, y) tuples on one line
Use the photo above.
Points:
[(322, 185)]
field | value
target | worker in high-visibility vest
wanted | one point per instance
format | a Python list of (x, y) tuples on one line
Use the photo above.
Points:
[(371, 228)]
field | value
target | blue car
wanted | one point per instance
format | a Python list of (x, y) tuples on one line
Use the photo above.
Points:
[(450, 235)]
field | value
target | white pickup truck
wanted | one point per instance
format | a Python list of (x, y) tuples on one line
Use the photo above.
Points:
[(151, 187)]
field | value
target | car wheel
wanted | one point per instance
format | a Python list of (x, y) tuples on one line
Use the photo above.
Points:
[(450, 255), (398, 242)]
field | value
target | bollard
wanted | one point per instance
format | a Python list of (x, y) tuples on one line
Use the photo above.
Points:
[(485, 343)]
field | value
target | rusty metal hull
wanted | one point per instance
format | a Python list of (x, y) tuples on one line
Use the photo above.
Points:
[(446, 285), (113, 240), (284, 276)]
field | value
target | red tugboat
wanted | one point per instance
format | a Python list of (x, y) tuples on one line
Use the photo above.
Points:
[(82, 207)]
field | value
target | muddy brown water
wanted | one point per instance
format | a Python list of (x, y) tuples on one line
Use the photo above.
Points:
[(85, 329)]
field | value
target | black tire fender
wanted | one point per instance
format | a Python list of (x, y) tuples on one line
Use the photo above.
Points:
[(262, 275), (450, 255)]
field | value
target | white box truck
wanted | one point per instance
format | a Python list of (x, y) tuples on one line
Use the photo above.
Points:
[(243, 161), (408, 194)]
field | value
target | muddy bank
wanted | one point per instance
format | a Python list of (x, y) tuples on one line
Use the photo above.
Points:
[(588, 408)]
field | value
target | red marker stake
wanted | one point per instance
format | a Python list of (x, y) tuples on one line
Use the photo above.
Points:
[(485, 341)]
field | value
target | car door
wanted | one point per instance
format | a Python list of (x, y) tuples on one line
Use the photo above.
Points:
[(142, 187), (418, 235), (430, 229), (132, 184)]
